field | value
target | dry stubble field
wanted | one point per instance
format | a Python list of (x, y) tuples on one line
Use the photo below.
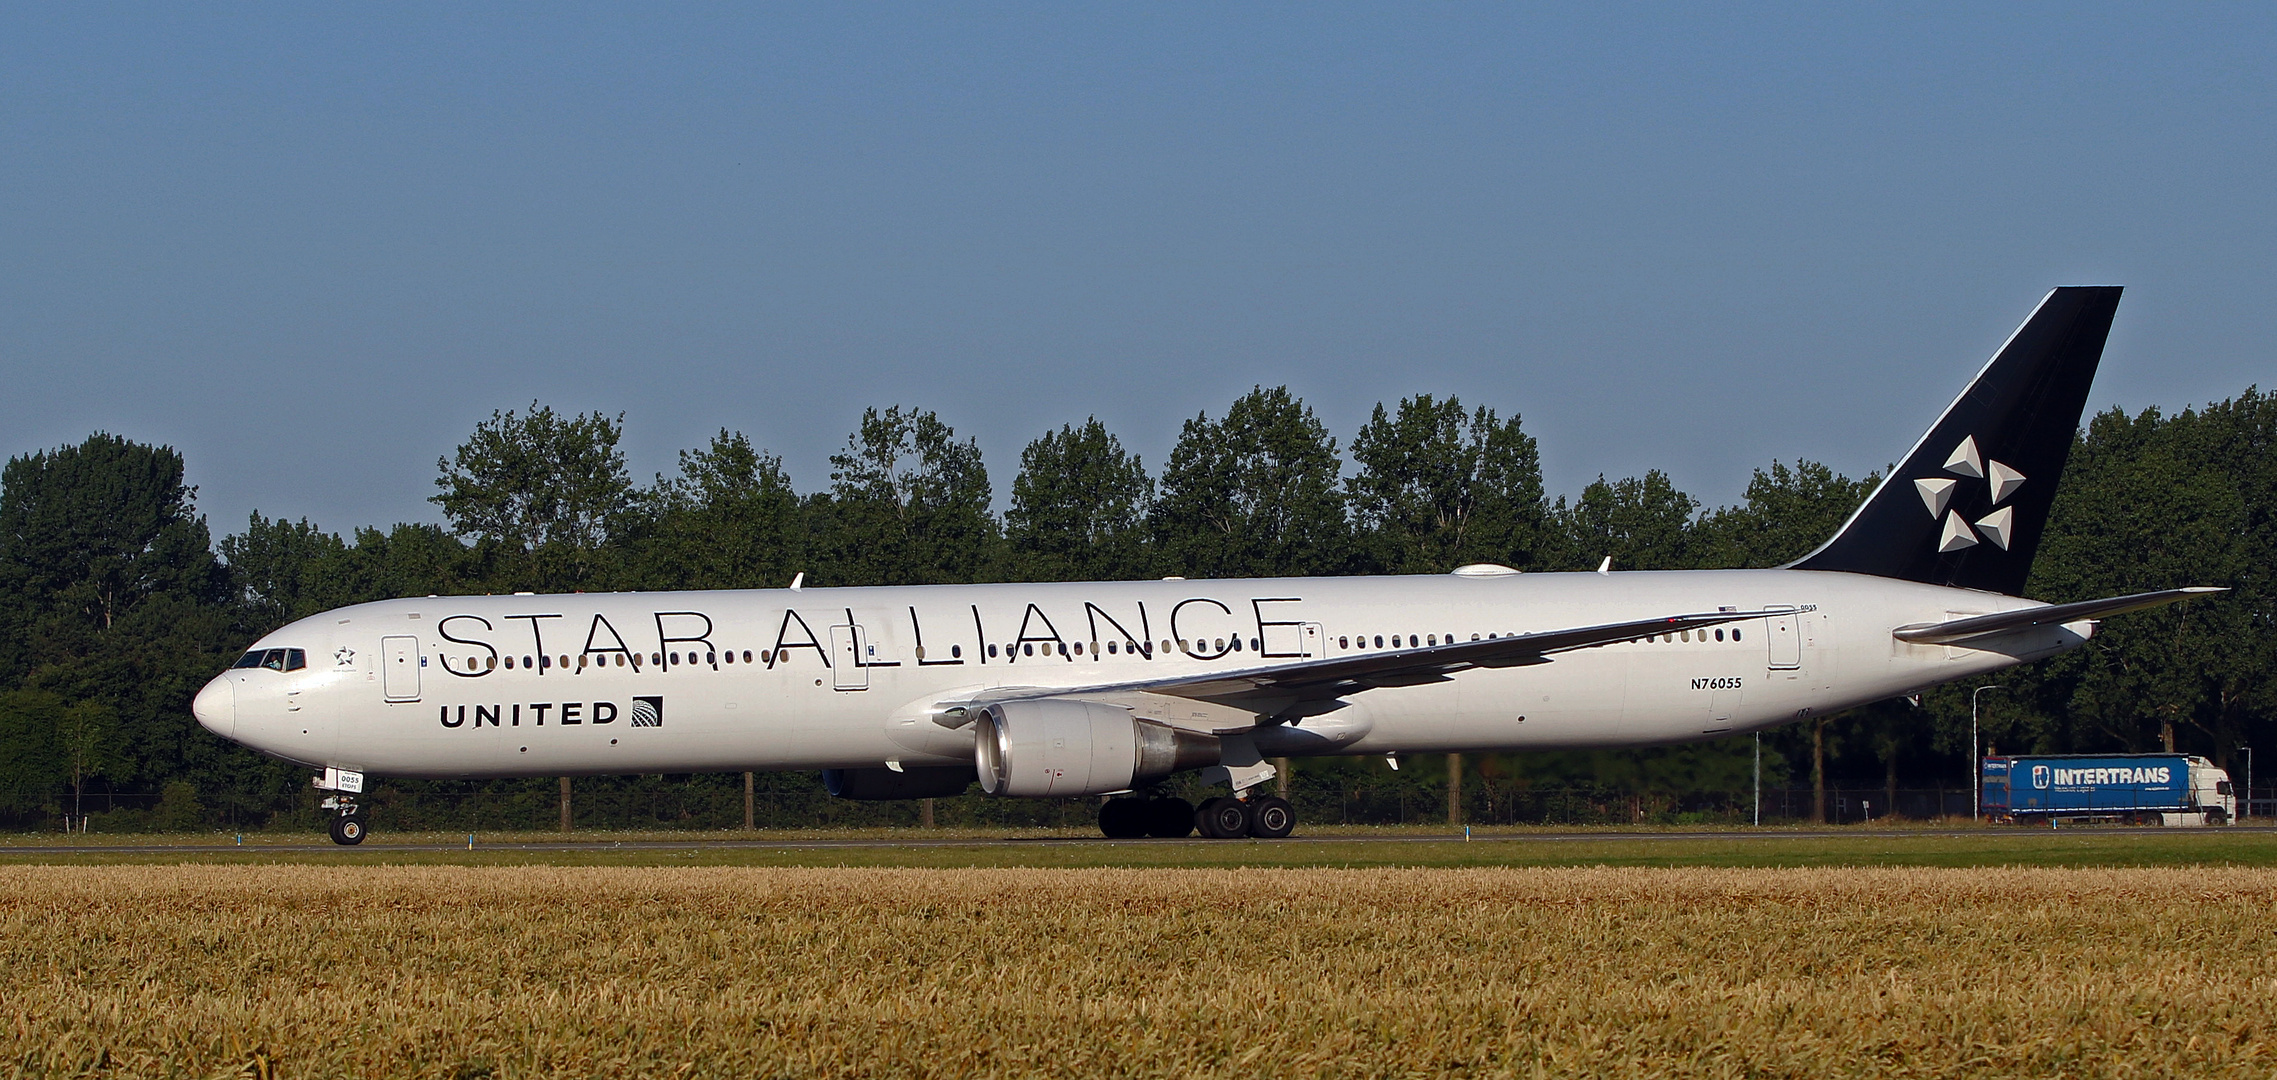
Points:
[(515, 971)]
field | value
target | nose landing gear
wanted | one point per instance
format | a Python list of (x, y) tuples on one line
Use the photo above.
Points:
[(345, 785), (348, 827)]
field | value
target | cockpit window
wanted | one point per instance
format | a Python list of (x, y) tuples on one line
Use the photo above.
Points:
[(273, 659)]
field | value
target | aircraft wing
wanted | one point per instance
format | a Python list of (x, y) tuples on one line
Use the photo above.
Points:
[(1977, 626), (1266, 687)]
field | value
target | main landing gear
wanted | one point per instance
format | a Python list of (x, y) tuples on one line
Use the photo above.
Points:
[(1129, 819), (1223, 818)]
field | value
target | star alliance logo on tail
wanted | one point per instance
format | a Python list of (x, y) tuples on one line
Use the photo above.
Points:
[(1937, 492), (648, 712)]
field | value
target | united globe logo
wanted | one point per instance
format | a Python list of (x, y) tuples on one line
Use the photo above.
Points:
[(648, 712)]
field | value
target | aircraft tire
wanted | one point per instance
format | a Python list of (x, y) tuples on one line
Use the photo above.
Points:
[(1271, 818), (1223, 818), (1169, 819), (1123, 819), (348, 830)]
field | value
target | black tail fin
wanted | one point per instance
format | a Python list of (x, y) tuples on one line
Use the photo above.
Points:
[(1967, 506)]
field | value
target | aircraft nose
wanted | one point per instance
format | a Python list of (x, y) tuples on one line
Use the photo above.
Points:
[(216, 707)]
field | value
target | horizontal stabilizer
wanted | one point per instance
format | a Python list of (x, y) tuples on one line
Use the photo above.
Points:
[(1977, 626)]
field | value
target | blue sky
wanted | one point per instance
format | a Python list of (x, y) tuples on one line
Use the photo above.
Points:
[(313, 246)]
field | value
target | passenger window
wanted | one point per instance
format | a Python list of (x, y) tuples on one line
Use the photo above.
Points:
[(766, 656), (1379, 641), (1028, 650), (1719, 635), (1735, 635), (992, 650), (565, 659), (1111, 650), (1434, 639), (956, 652)]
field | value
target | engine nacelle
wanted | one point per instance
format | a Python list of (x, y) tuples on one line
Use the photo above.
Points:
[(914, 782), (1058, 747)]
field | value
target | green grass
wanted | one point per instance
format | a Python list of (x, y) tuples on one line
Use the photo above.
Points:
[(1958, 847)]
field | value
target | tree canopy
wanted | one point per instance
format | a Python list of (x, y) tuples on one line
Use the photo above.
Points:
[(116, 604)]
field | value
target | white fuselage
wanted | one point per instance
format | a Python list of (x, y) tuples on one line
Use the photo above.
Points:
[(847, 678)]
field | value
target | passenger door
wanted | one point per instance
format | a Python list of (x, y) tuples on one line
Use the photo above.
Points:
[(399, 667), (1785, 633)]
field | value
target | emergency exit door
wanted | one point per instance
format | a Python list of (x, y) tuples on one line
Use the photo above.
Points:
[(849, 667)]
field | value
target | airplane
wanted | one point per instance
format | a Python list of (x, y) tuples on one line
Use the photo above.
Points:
[(1106, 689)]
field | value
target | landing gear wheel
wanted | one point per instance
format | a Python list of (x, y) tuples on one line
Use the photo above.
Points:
[(348, 830), (1271, 818), (1223, 819), (1123, 819), (1169, 818)]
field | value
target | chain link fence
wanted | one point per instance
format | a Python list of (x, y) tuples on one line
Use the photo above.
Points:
[(797, 800)]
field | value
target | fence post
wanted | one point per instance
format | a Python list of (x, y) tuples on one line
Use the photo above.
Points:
[(750, 810), (565, 804), (1454, 790), (925, 813)]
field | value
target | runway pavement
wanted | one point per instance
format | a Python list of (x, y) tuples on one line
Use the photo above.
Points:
[(378, 844)]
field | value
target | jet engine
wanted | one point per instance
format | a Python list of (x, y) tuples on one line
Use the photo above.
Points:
[(1058, 747), (914, 782)]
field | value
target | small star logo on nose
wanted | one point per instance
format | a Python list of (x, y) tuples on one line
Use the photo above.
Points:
[(344, 657), (1937, 494)]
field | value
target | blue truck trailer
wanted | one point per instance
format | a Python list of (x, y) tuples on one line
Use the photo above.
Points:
[(2143, 789)]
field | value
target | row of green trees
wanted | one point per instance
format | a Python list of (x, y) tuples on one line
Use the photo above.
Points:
[(116, 604)]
